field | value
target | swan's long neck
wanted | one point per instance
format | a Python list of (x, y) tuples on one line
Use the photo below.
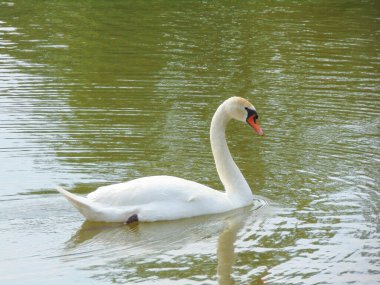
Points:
[(236, 186)]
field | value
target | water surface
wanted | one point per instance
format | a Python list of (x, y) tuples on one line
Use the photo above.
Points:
[(94, 93)]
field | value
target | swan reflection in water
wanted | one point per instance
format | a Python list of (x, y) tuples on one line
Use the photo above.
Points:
[(175, 249)]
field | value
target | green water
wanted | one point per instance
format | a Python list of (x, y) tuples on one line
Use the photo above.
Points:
[(99, 92)]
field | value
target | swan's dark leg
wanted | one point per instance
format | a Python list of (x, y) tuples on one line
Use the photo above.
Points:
[(132, 219)]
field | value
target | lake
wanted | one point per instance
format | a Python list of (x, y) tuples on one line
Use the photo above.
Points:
[(99, 92)]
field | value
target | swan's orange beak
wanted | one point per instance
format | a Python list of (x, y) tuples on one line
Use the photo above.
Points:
[(255, 125)]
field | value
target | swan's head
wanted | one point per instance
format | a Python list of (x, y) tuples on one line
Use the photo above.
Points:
[(240, 109)]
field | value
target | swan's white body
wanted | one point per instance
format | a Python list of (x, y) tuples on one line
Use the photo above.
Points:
[(157, 198)]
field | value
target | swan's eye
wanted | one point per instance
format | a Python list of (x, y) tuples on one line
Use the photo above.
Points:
[(252, 113)]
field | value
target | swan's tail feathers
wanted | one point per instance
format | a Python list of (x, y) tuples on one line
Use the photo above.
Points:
[(86, 207)]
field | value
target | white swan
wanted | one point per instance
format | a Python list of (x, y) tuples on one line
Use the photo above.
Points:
[(157, 198)]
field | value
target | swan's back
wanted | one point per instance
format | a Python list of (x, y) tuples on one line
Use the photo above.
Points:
[(164, 189)]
